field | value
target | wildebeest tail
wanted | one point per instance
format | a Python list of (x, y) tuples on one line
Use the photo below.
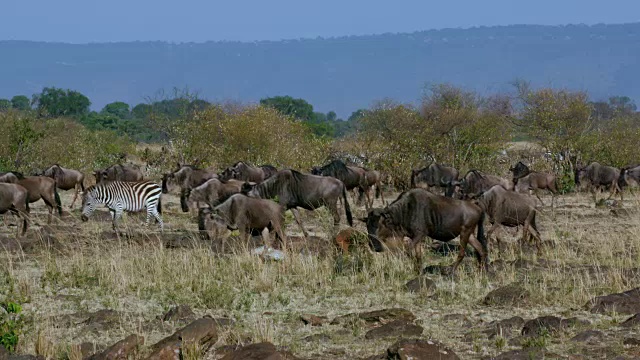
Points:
[(347, 209), (413, 178), (58, 202), (621, 179), (480, 235)]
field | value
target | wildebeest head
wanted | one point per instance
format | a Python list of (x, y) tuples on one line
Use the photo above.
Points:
[(519, 170), (228, 174), (249, 189), (377, 227), (315, 170)]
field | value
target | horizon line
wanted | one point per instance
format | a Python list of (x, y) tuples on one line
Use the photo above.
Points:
[(319, 38)]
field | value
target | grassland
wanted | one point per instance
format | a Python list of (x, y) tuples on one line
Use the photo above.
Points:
[(63, 273)]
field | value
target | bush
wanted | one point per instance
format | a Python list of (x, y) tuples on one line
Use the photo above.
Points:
[(32, 144), (256, 134)]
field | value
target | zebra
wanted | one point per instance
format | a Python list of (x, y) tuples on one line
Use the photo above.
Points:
[(122, 195)]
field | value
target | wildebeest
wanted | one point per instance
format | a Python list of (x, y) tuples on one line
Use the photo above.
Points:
[(66, 179), (39, 187), (15, 198), (245, 172), (247, 214), (520, 170), (214, 191), (119, 172), (535, 181), (418, 213), (353, 177), (597, 176), (510, 209), (371, 178), (189, 177), (436, 175), (474, 182), (294, 189), (9, 177), (629, 175)]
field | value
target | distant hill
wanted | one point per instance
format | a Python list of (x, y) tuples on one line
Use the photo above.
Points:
[(340, 74)]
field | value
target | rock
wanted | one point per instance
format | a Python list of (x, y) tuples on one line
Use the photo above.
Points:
[(202, 333), (419, 284), (631, 342), (396, 328), (313, 320), (378, 316), (260, 351), (87, 349), (437, 270), (317, 338), (538, 326), (504, 327), (268, 253), (627, 302), (4, 354), (588, 336), (632, 321), (102, 320), (510, 295), (420, 350), (522, 354), (455, 317), (123, 349), (26, 357), (179, 313)]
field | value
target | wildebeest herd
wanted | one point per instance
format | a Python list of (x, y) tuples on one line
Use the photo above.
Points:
[(253, 199)]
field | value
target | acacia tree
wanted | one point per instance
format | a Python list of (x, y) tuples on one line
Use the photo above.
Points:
[(54, 102), (21, 102)]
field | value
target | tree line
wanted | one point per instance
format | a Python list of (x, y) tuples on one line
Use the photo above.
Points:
[(134, 121)]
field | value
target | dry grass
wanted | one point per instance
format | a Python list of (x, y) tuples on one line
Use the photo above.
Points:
[(71, 268)]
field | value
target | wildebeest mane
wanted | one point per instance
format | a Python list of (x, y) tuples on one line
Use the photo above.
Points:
[(19, 175)]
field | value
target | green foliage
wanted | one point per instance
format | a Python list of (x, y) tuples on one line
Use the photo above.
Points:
[(286, 105), (32, 144), (256, 134), (118, 109), (10, 325), (21, 102), (54, 102), (141, 111), (5, 105)]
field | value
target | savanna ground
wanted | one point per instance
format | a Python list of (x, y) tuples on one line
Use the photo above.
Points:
[(63, 274)]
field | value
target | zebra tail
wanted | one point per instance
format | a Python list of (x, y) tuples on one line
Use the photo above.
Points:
[(159, 206)]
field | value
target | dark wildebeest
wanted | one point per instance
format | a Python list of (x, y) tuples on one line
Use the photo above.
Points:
[(353, 177), (119, 172), (66, 179), (168, 183), (510, 209), (418, 213), (244, 172), (39, 187), (246, 214), (474, 182), (294, 189), (629, 176), (15, 198), (189, 177), (436, 175), (214, 191), (597, 176)]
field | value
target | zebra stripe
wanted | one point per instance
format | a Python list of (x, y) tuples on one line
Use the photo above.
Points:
[(119, 196)]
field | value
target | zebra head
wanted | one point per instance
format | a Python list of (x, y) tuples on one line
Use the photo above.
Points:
[(89, 203)]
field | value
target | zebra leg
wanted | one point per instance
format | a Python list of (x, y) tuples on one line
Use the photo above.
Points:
[(153, 212)]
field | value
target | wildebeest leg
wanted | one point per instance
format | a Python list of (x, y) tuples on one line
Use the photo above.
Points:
[(530, 224), (490, 232), (464, 239), (75, 195), (281, 240), (416, 251), (535, 191), (480, 253), (296, 215)]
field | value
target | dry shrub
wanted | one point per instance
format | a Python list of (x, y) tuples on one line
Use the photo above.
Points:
[(33, 144), (259, 135)]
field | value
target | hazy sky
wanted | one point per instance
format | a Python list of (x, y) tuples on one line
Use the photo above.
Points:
[(81, 21)]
